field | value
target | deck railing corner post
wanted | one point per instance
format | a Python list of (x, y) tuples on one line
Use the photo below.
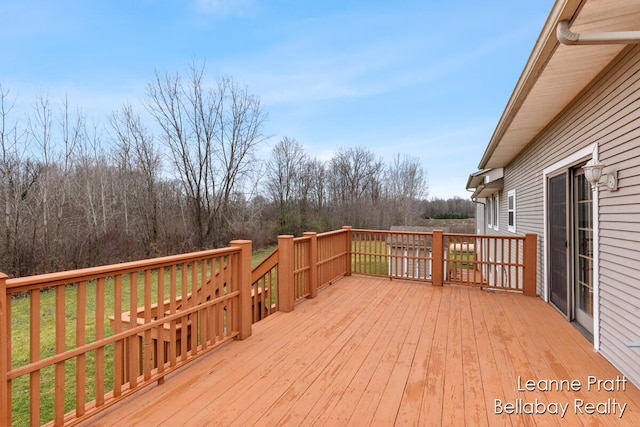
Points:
[(437, 254), (348, 248), (244, 284), (5, 349), (286, 268), (530, 264), (313, 263)]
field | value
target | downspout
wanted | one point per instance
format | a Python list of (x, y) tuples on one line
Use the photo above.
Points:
[(566, 36), (484, 221)]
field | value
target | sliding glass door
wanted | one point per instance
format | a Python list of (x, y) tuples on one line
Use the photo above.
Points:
[(570, 240)]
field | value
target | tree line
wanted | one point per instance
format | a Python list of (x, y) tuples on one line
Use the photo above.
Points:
[(182, 174), (453, 208)]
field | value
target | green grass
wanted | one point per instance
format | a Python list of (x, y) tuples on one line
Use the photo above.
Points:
[(20, 339), (464, 259), (260, 254), (370, 257)]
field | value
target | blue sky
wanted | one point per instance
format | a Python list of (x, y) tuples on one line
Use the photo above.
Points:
[(426, 78)]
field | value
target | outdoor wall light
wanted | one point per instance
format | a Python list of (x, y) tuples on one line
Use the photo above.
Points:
[(593, 173)]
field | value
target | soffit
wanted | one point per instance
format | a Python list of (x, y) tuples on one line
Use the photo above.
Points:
[(555, 73), (476, 179), (486, 190)]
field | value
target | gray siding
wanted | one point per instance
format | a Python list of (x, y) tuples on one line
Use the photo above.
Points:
[(481, 225), (608, 113)]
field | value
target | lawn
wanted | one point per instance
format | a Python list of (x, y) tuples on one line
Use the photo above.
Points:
[(20, 339), (370, 257)]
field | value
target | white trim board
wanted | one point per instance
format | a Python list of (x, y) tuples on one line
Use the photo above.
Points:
[(590, 151)]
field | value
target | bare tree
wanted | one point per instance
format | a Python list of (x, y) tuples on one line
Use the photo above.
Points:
[(139, 161), (40, 130), (407, 187), (242, 122), (188, 133), (7, 165), (72, 131), (355, 184), (91, 182), (212, 133), (316, 217), (317, 176), (15, 182), (285, 170)]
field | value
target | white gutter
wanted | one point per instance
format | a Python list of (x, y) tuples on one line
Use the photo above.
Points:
[(566, 36)]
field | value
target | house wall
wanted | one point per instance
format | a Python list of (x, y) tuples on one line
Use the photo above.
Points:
[(481, 225), (607, 113)]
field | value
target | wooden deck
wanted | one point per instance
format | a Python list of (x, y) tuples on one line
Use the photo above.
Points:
[(372, 351)]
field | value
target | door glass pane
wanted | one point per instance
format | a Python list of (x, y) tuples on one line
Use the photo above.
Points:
[(557, 214), (583, 250)]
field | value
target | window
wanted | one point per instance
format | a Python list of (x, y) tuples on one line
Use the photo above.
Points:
[(511, 210), (490, 212)]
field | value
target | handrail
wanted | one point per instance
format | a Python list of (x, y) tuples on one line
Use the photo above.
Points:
[(52, 279), (169, 310), (265, 266), (183, 306)]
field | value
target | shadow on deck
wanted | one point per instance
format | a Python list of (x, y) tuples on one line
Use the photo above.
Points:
[(372, 351)]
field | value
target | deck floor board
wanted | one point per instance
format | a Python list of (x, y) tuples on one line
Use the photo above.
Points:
[(371, 351)]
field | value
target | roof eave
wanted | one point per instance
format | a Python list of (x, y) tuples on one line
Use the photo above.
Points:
[(543, 50)]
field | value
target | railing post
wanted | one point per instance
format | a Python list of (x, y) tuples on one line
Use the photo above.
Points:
[(348, 249), (5, 352), (437, 258), (244, 284), (286, 296), (313, 263), (530, 264)]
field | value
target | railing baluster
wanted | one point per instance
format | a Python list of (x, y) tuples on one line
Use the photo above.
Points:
[(220, 292), (5, 352), (34, 344), (202, 314), (81, 321), (194, 300), (148, 344), (120, 368), (493, 255), (512, 277), (184, 321), (100, 316), (160, 330), (134, 359), (173, 294), (58, 411)]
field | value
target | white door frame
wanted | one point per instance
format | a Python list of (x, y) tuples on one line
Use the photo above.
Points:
[(590, 151)]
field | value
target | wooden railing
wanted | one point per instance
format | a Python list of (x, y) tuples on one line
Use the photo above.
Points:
[(100, 334), (300, 266), (501, 262), (263, 287), (164, 313)]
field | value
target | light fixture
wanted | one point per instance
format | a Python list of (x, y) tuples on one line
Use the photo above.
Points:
[(593, 173)]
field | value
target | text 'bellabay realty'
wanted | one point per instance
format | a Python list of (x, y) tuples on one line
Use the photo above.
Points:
[(610, 406)]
